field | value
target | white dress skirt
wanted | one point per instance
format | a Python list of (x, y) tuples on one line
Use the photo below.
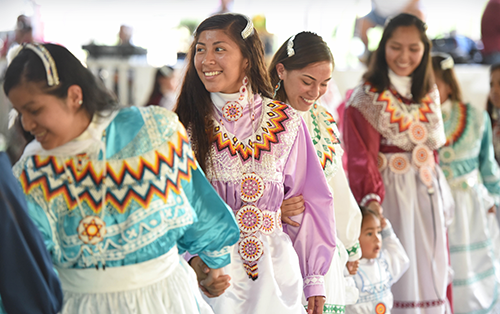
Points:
[(474, 238), (420, 221), (165, 285), (280, 289)]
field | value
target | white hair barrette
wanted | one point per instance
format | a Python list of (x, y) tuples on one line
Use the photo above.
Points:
[(248, 30), (289, 47)]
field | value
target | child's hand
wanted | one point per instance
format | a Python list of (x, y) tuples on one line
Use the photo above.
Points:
[(383, 222), (492, 210), (352, 267)]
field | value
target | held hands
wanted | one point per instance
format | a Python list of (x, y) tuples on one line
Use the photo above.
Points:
[(292, 207), (315, 304), (352, 267), (212, 282)]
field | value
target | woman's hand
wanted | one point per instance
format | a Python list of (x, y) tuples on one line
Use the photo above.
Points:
[(375, 206), (292, 207), (212, 282), (315, 304)]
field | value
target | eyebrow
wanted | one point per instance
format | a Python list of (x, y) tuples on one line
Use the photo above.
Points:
[(215, 43), (29, 103), (312, 78)]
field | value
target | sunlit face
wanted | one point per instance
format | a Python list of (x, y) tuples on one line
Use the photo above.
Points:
[(51, 120), (404, 50), (370, 239), (443, 88), (495, 88), (305, 86), (219, 62)]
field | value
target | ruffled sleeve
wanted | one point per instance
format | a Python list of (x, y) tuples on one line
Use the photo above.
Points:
[(29, 283), (362, 143), (314, 239), (394, 253), (347, 214)]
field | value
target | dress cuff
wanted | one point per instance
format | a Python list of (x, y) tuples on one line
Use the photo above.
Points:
[(314, 285), (368, 198), (354, 252)]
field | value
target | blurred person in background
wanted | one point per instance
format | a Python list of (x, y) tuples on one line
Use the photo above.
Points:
[(381, 11), (164, 88), (490, 32), (468, 162)]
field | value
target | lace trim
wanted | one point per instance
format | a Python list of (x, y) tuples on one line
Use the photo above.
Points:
[(224, 251), (368, 198)]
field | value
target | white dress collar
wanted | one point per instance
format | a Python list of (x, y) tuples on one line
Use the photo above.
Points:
[(402, 84), (81, 144)]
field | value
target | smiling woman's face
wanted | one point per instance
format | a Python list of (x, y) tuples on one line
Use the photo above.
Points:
[(305, 86), (219, 62), (51, 120), (404, 50)]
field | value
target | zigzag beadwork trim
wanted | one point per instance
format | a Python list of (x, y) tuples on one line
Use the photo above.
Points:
[(458, 123), (418, 304), (275, 117), (332, 309), (137, 179)]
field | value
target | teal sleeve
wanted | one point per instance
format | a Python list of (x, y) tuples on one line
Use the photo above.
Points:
[(215, 230), (488, 166)]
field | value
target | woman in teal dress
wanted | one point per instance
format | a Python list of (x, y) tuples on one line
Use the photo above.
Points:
[(116, 193), (468, 162)]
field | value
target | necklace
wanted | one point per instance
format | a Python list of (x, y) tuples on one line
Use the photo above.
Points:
[(233, 110)]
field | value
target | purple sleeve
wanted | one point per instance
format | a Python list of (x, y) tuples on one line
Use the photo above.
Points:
[(314, 240)]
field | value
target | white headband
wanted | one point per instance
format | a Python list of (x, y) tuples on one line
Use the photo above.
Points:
[(48, 62)]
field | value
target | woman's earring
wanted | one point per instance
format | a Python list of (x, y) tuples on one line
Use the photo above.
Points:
[(276, 88), (80, 102)]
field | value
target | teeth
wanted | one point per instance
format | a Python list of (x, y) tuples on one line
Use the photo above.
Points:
[(212, 73), (40, 134), (308, 101)]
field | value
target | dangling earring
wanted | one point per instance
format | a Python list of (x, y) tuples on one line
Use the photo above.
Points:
[(276, 88), (233, 110)]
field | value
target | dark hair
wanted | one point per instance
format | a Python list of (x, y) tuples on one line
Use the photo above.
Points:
[(309, 48), (365, 211), (377, 73), (28, 67), (447, 76), (156, 94), (489, 105), (194, 106)]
